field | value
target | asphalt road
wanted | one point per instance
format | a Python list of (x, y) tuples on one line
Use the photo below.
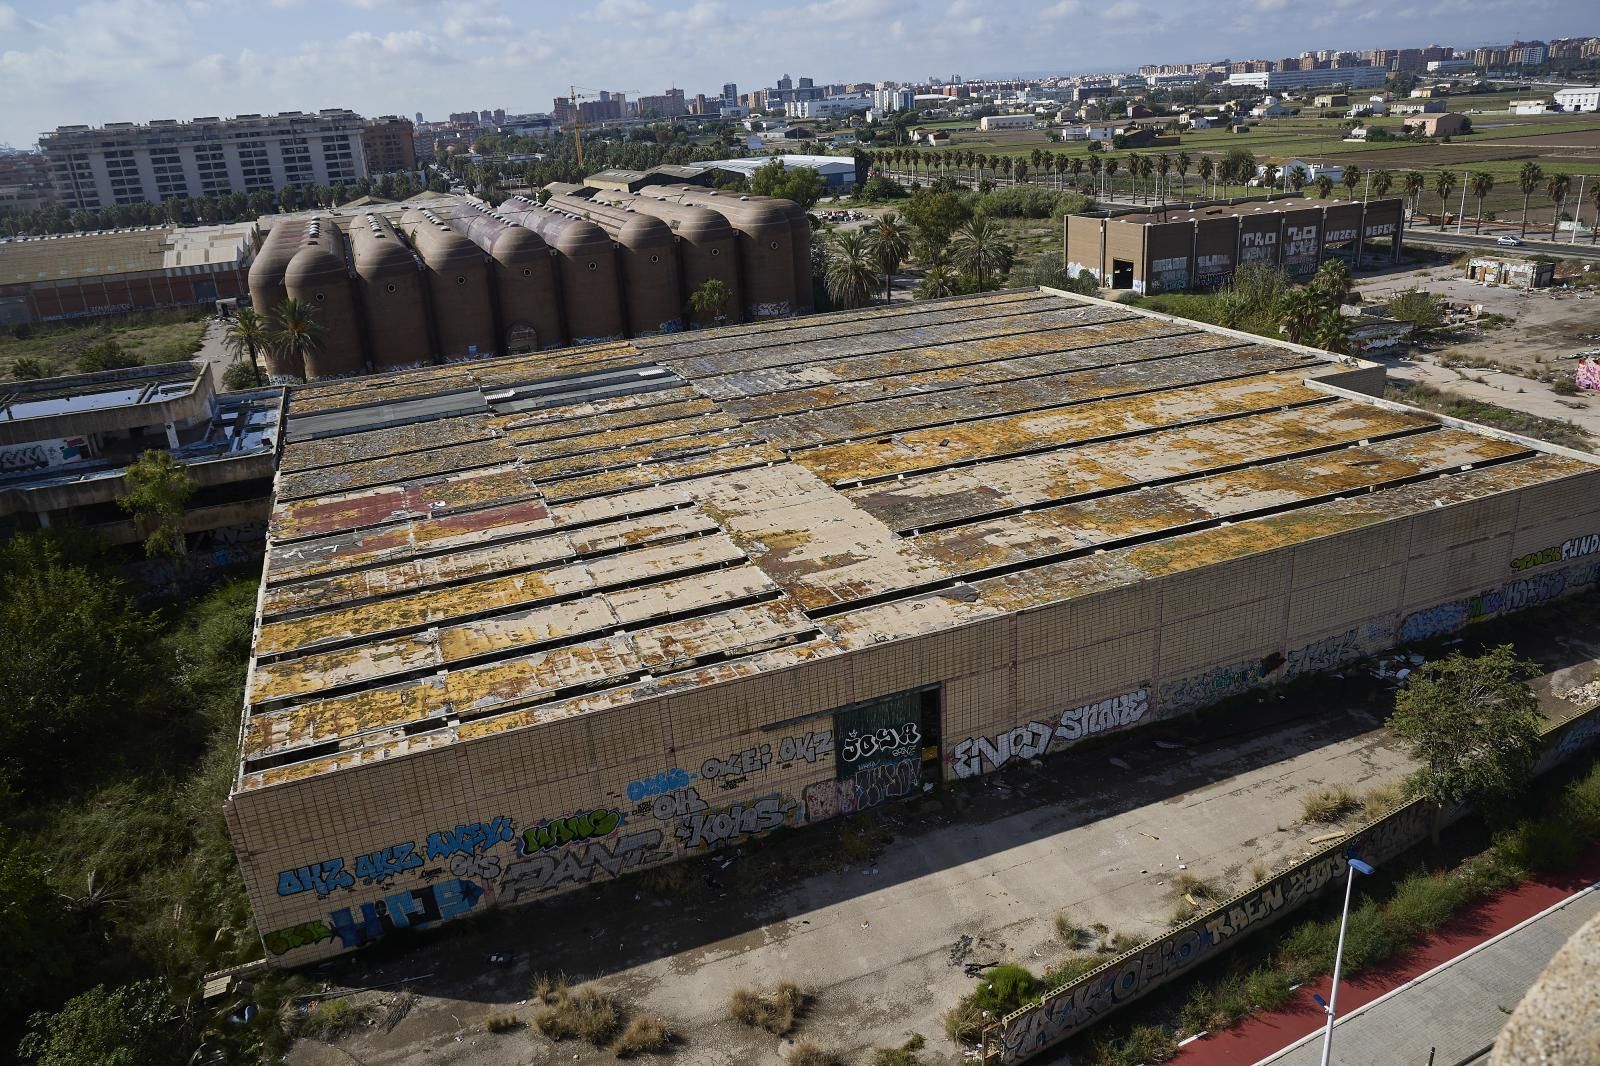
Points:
[(1582, 250)]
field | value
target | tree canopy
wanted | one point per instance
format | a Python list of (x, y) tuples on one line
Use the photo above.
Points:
[(158, 490), (801, 184)]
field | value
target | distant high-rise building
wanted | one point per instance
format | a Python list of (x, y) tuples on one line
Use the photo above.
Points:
[(389, 144), (785, 83), (485, 117), (419, 118), (499, 116), (730, 94)]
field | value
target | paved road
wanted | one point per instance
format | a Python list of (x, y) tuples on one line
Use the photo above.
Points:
[(1582, 250), (1457, 1009)]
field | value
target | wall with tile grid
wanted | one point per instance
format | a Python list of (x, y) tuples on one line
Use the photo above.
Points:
[(334, 861)]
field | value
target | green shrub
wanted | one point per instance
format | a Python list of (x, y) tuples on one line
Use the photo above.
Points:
[(1308, 949), (1580, 804), (1540, 845), (1267, 989), (28, 369), (1005, 988), (1020, 201), (1370, 938), (1423, 902), (1144, 1044), (904, 1055), (241, 376), (1069, 970), (106, 355)]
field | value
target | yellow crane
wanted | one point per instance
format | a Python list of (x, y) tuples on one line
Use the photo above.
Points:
[(573, 99)]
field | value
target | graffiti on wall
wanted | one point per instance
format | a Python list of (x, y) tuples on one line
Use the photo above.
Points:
[(42, 454), (1445, 618), (734, 824), (556, 832), (656, 784), (978, 755), (355, 926), (382, 864), (580, 864), (1575, 548), (1334, 651), (1210, 685), (866, 788)]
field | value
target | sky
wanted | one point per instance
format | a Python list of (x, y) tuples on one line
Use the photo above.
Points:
[(96, 61)]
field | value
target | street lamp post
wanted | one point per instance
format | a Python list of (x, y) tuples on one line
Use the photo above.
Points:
[(1355, 866)]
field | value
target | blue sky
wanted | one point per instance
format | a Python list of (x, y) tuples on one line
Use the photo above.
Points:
[(71, 61)]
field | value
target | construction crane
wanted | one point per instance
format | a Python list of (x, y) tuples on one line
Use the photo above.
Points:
[(573, 100)]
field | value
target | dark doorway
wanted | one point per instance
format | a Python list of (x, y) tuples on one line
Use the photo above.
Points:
[(1121, 274)]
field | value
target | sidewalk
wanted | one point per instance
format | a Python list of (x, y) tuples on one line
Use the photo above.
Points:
[(1453, 991)]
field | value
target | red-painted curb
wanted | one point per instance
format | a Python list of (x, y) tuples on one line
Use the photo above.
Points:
[(1262, 1034)]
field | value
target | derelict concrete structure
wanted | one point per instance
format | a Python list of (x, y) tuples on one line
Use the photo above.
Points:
[(564, 616), (1153, 250)]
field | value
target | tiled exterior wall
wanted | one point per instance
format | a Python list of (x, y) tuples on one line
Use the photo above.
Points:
[(333, 861)]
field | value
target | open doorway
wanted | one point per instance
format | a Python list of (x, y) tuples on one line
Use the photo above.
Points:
[(1121, 274)]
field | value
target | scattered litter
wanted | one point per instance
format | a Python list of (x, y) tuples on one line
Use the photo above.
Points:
[(1183, 866), (1326, 837), (1152, 836), (1144, 871), (1167, 745), (865, 923), (502, 958), (1120, 764), (244, 1015), (1588, 693)]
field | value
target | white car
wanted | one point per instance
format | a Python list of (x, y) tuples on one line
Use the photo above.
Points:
[(1510, 241)]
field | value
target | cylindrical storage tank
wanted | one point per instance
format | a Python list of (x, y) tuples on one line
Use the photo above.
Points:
[(800, 248), (318, 277), (766, 241), (588, 266), (652, 290), (458, 284), (393, 303), (708, 250), (266, 282), (525, 280)]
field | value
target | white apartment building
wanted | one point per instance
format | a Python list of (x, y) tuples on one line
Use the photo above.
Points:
[(827, 107), (885, 100), (1356, 77), (130, 163), (1578, 99), (1006, 122)]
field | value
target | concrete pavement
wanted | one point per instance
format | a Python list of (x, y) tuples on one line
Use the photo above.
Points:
[(1456, 1010)]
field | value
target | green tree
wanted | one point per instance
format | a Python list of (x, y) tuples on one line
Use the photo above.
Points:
[(241, 376), (1297, 177), (934, 216), (711, 300), (1298, 311), (27, 368), (1206, 171), (1382, 182), (1331, 332), (1528, 179), (938, 281), (295, 335), (852, 274), (1480, 183), (158, 490), (801, 184), (1443, 183), (1473, 724), (1557, 186), (106, 355), (980, 248), (247, 335), (889, 242), (133, 1025), (1324, 186), (1332, 282), (1421, 308), (1239, 165), (1352, 178)]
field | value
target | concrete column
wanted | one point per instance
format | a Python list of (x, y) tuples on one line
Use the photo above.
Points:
[(172, 436)]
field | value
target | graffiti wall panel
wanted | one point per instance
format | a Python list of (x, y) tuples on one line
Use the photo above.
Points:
[(1373, 594)]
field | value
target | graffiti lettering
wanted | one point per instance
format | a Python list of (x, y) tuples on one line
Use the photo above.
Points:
[(404, 910), (1033, 739), (481, 867), (810, 747), (380, 865), (323, 877), (713, 829), (553, 833), (297, 936), (1575, 548), (551, 872), (469, 839), (1330, 653), (665, 781), (1335, 236), (895, 742), (747, 761), (1209, 686), (678, 804)]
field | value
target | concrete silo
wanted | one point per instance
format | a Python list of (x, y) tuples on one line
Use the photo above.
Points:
[(527, 285), (708, 248), (458, 286), (393, 301), (766, 246), (266, 281), (319, 277), (652, 288), (590, 289)]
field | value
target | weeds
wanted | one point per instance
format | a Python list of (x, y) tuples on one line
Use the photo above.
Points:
[(583, 1013), (1267, 989), (548, 988), (1329, 804), (904, 1055), (645, 1035), (1069, 933), (805, 1053), (1379, 801), (330, 1019), (1259, 872), (1423, 902), (1005, 988), (776, 1011), (1144, 1044), (1069, 970), (964, 1022), (502, 1023)]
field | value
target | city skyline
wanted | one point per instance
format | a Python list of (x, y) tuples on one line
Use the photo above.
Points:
[(98, 61)]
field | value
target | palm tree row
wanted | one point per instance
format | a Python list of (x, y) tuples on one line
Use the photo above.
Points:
[(858, 258), (291, 333)]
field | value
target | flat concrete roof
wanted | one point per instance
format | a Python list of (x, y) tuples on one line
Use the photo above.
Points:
[(782, 492), (1157, 215)]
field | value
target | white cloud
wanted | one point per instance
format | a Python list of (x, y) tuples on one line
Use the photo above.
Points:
[(1062, 9)]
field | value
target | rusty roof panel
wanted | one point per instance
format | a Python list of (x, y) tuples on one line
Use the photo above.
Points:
[(986, 401), (564, 622), (675, 447), (439, 495), (476, 689), (844, 341), (391, 469), (610, 536), (1017, 356), (553, 432), (343, 716), (298, 678), (811, 541), (965, 492), (931, 449), (649, 474), (679, 644), (1146, 365), (381, 443), (1079, 526)]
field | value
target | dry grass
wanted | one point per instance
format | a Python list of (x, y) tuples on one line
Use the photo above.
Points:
[(805, 1053), (583, 1013), (645, 1035), (1259, 871), (548, 988), (1379, 801), (776, 1011), (1329, 804), (502, 1023)]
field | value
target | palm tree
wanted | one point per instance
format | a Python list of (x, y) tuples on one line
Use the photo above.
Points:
[(1557, 188), (1110, 167), (1382, 182), (1181, 164), (1528, 179), (1594, 228), (851, 275), (1332, 282), (1207, 168), (1443, 182), (1163, 168), (1096, 164), (1135, 172), (1352, 178), (938, 281), (247, 334), (1324, 186), (1331, 332), (1298, 314), (889, 242), (295, 335), (1061, 164), (980, 248), (1075, 167), (1480, 183), (1414, 183), (1269, 175), (1147, 168), (1019, 170), (1298, 177)]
